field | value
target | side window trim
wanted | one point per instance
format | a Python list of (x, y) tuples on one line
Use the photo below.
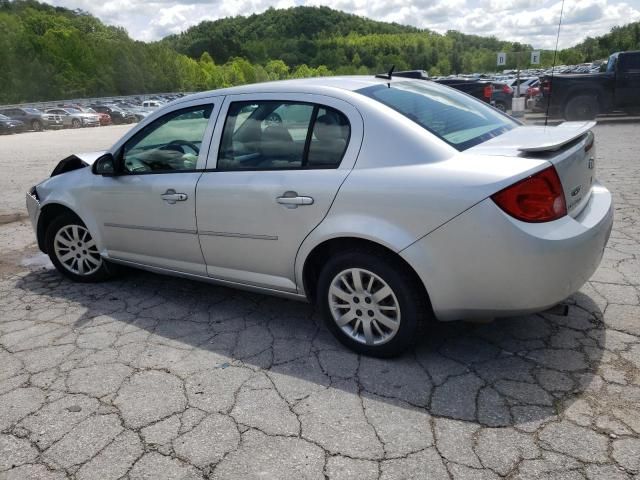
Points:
[(310, 130), (307, 141), (215, 104)]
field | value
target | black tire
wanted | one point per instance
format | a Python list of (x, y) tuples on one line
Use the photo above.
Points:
[(105, 270), (75, 123), (36, 126), (582, 107), (501, 106), (414, 307)]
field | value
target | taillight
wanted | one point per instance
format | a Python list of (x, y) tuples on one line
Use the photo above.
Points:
[(507, 89), (488, 91), (590, 141), (538, 198)]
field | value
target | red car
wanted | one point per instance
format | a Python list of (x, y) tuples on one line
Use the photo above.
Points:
[(533, 91)]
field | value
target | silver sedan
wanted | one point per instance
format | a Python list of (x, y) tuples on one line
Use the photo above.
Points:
[(74, 118), (389, 202)]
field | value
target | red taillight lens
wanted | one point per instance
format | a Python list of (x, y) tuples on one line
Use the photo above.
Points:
[(590, 141), (488, 91), (507, 89), (538, 198)]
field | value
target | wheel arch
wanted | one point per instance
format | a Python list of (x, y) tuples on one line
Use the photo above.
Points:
[(48, 213), (585, 91), (316, 257)]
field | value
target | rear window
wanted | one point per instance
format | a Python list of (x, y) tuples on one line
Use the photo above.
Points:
[(454, 117)]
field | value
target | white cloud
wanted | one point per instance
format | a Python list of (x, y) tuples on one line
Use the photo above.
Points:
[(529, 21)]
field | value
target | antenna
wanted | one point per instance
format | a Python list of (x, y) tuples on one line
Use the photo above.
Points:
[(388, 75), (553, 68), (393, 67)]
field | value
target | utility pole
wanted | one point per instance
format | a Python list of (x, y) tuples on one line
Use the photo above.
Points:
[(518, 105)]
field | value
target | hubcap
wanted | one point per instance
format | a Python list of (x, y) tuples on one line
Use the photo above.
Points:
[(364, 306), (76, 250)]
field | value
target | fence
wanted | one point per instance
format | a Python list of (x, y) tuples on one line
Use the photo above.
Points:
[(89, 100)]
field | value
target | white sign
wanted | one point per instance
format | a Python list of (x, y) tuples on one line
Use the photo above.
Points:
[(535, 57), (502, 58)]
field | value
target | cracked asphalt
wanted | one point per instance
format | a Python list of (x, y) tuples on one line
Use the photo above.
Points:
[(150, 377)]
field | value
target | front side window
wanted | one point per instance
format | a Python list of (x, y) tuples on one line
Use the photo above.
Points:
[(275, 135), (454, 117), (169, 144)]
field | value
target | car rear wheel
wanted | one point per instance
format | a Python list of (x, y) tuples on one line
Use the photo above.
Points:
[(501, 106), (371, 303), (74, 252), (582, 107), (36, 126), (75, 123)]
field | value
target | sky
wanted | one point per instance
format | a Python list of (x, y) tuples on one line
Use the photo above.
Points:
[(529, 21)]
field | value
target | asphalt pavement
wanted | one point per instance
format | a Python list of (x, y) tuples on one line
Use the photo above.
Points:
[(151, 377)]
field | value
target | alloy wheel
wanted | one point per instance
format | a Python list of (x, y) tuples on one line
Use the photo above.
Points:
[(76, 250), (364, 306)]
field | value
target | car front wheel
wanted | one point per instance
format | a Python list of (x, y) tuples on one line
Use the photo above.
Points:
[(74, 252), (371, 303)]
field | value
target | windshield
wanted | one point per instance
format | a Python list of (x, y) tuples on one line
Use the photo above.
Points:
[(454, 117)]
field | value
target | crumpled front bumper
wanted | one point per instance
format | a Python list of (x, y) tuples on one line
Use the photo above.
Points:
[(33, 207)]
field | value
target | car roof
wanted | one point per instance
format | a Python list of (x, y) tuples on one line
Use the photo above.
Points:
[(306, 85)]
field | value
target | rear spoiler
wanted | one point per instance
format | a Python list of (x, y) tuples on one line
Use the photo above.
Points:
[(556, 137)]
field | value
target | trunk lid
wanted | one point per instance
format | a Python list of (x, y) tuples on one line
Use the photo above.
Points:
[(569, 147)]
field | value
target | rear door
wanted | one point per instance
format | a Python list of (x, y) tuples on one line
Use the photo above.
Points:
[(627, 92), (276, 164)]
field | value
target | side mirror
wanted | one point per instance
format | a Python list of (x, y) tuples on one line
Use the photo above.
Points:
[(105, 166)]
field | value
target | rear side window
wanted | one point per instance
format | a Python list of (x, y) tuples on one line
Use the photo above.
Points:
[(629, 61), (275, 135), (454, 117)]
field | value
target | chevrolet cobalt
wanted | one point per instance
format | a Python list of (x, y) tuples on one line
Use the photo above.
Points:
[(389, 202)]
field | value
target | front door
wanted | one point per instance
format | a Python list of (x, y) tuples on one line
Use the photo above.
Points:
[(278, 162), (147, 213)]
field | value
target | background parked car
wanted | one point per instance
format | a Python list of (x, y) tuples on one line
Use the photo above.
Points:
[(479, 89), (501, 96), (582, 96), (104, 118), (525, 83), (533, 91), (8, 125), (151, 104), (73, 118), (33, 118), (118, 116)]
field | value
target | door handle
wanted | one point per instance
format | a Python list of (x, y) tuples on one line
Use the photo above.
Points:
[(292, 200), (171, 196)]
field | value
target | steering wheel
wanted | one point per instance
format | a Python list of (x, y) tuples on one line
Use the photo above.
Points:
[(273, 119), (179, 144)]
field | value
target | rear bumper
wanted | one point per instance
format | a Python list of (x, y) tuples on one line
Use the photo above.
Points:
[(485, 264)]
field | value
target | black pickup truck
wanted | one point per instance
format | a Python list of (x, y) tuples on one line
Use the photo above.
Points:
[(583, 96)]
